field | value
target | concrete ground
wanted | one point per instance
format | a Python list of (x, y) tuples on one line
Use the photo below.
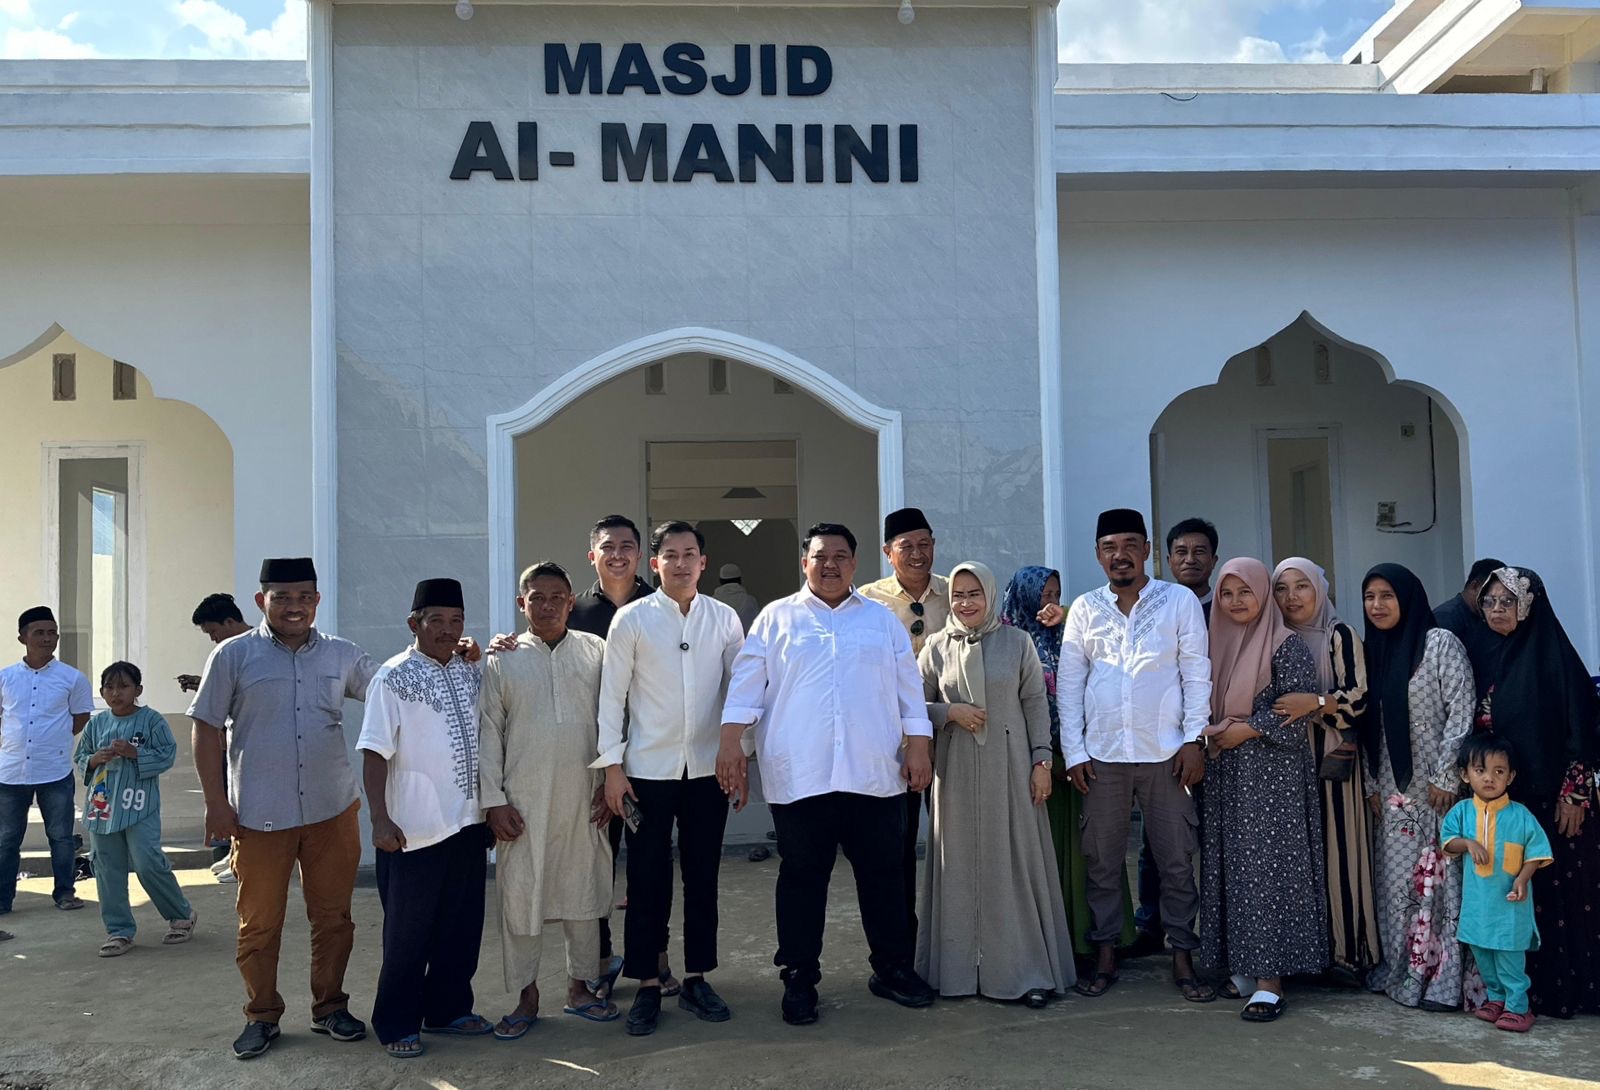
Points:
[(163, 1017)]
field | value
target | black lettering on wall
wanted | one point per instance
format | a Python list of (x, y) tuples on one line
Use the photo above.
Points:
[(528, 150), (702, 154), (813, 139), (849, 150), (683, 59), (560, 68), (908, 153), (650, 151), (632, 70), (769, 69), (796, 57), (481, 150), (739, 82), (777, 157)]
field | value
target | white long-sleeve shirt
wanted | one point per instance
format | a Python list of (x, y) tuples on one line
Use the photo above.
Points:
[(833, 692), (662, 689), (1133, 689)]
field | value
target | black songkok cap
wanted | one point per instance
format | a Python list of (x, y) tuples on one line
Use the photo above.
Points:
[(288, 569), (904, 521), (1119, 520), (33, 616), (437, 594)]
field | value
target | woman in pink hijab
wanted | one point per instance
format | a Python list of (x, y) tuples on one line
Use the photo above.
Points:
[(1263, 906)]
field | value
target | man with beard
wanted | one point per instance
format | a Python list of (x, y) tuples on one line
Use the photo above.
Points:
[(1134, 690)]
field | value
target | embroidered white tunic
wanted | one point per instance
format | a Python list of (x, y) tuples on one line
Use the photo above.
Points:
[(422, 718), (538, 731)]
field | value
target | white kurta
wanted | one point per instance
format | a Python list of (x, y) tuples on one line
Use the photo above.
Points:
[(538, 730)]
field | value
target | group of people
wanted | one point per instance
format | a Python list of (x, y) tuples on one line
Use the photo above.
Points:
[(1316, 778)]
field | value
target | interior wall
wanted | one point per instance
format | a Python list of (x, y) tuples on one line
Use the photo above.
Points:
[(187, 493), (590, 461), (1209, 465)]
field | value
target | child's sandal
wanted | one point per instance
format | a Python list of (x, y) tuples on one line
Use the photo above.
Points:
[(180, 931), (115, 946)]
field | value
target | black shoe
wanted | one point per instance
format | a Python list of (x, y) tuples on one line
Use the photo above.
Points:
[(799, 1001), (644, 1012), (702, 1001), (903, 986), (256, 1039), (341, 1026)]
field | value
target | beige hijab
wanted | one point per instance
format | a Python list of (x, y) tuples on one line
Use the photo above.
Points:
[(966, 644), (1241, 654)]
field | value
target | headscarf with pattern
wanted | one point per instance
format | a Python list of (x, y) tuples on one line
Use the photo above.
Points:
[(1019, 608)]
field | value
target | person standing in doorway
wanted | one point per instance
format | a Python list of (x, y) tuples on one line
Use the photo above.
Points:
[(615, 549), (219, 618), (1463, 617), (419, 751), (288, 796), (731, 591), (826, 692), (44, 704), (921, 600), (1135, 692), (1191, 558), (667, 663)]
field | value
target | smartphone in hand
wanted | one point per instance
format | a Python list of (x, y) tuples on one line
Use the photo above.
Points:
[(631, 814)]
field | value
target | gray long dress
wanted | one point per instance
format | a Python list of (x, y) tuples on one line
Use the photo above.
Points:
[(993, 921), (1264, 909)]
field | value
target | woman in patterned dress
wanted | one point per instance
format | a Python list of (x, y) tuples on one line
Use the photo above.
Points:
[(1540, 696), (1337, 706), (1263, 908), (1420, 702)]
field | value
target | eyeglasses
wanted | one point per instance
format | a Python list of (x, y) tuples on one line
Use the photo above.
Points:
[(1500, 602)]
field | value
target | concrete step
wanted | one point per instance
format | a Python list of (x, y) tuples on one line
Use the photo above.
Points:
[(37, 863)]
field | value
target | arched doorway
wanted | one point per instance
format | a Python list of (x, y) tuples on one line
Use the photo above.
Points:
[(719, 416), (1304, 446)]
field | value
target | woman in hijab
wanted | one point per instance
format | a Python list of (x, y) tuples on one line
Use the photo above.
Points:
[(993, 919), (1541, 698), (1263, 911), (1419, 710), (1032, 605), (1336, 705)]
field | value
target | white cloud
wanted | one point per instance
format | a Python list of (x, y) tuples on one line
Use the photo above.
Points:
[(21, 10), (67, 20), (227, 35), (1123, 31), (38, 43)]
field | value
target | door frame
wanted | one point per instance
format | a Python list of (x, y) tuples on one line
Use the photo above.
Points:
[(1336, 514)]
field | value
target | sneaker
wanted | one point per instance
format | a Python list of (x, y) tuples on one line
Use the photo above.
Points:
[(220, 865), (644, 1012), (256, 1039), (702, 1001), (903, 987), (227, 878), (799, 1000), (341, 1026)]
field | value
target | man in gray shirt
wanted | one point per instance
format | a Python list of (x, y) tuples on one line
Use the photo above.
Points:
[(289, 795)]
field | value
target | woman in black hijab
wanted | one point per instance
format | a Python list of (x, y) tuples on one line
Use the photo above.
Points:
[(1420, 703), (1541, 698)]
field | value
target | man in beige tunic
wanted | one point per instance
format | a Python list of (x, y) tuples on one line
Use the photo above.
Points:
[(538, 731)]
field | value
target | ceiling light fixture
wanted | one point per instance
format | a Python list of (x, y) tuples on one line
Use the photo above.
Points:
[(905, 14), (463, 10)]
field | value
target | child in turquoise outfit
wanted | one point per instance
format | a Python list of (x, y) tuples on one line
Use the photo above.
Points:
[(1506, 845), (120, 754)]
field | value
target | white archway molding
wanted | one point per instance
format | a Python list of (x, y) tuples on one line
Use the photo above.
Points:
[(505, 428)]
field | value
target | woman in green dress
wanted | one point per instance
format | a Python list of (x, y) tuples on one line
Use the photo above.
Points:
[(1032, 603)]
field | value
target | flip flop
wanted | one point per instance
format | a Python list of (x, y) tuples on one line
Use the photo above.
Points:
[(468, 1025), (1264, 1006), (1203, 993), (610, 1012), (1097, 986), (393, 1049), (608, 981), (520, 1025)]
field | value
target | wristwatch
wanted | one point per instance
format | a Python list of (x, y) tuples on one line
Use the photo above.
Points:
[(1322, 701), (1045, 763)]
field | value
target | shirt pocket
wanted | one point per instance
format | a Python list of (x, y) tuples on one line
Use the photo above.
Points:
[(1511, 858), (330, 699)]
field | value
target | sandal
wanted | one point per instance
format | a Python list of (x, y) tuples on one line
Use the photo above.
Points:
[(516, 1027), (468, 1025), (1230, 990), (1036, 999), (1195, 990), (406, 1048), (1264, 1006), (115, 946), (180, 931), (1096, 987), (602, 987), (670, 985), (6, 936), (70, 904), (1513, 1022), (597, 1010)]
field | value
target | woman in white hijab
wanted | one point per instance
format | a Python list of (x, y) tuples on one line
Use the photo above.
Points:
[(994, 923)]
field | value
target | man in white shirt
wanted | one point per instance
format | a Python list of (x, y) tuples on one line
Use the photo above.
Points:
[(666, 672), (44, 703), (419, 745), (829, 683), (732, 591), (1134, 690)]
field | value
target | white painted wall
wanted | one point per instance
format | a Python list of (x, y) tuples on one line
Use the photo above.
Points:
[(1160, 288), (590, 460), (187, 492), (202, 283), (1210, 469)]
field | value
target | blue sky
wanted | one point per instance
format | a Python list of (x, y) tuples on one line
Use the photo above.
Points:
[(1091, 30)]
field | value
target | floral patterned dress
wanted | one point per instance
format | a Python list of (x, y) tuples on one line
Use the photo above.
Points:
[(1419, 893)]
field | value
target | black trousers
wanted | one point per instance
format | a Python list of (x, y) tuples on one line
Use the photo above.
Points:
[(613, 834), (432, 928), (811, 832), (700, 810)]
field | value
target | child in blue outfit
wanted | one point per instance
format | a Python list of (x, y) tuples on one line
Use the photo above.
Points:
[(120, 754), (1506, 845)]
